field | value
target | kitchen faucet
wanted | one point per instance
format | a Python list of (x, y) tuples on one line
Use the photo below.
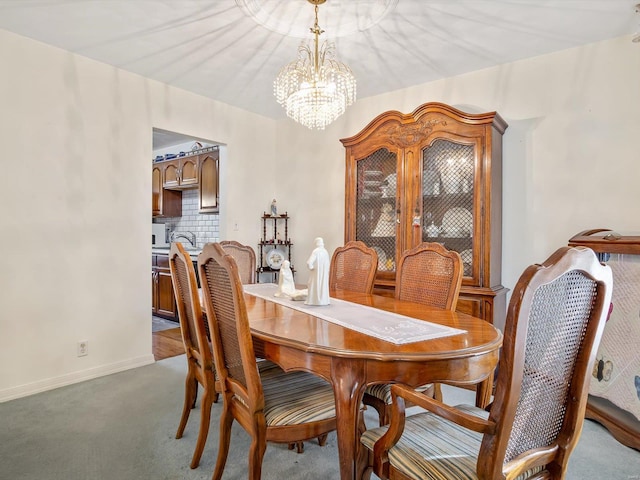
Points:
[(190, 236)]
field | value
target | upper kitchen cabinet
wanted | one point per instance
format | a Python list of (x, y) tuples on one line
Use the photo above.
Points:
[(165, 203), (434, 175), (181, 173), (209, 182), (170, 177)]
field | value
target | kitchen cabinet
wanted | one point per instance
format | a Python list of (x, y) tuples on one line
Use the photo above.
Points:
[(181, 173), (198, 169), (209, 193), (163, 299), (165, 203), (432, 175)]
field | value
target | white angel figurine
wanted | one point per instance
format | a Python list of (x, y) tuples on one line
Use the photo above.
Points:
[(286, 285)]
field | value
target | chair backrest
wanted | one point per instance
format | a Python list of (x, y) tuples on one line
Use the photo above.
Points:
[(192, 323), (353, 267), (245, 259), (554, 324), (229, 327), (429, 274)]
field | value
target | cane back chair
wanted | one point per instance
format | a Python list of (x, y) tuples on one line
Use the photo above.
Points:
[(200, 368), (428, 274), (268, 403), (245, 258), (353, 267), (554, 323)]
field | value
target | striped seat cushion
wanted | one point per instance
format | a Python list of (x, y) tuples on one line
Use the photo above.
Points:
[(383, 391), (296, 397), (432, 448)]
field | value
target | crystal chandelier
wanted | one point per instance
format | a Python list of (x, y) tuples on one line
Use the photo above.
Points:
[(316, 88)]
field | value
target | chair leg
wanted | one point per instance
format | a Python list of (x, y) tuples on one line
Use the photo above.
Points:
[(322, 439), (379, 406), (205, 419), (195, 395), (384, 415), (437, 392), (226, 419), (299, 446), (190, 393), (362, 426), (256, 452)]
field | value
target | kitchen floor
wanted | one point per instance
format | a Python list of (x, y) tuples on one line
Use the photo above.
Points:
[(166, 339), (159, 324)]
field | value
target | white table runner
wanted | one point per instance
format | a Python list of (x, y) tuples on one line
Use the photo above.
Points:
[(387, 326)]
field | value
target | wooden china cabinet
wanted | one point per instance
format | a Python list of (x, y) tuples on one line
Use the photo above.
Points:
[(433, 175)]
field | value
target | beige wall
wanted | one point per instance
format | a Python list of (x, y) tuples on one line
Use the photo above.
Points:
[(75, 196), (571, 158), (75, 207)]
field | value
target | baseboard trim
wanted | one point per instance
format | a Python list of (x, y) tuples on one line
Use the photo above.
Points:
[(74, 377)]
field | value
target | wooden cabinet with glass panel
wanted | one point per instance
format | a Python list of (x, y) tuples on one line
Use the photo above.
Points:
[(432, 175)]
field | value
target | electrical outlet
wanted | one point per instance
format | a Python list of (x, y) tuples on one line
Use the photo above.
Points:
[(83, 348)]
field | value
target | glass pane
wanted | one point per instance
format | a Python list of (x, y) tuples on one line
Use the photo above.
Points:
[(447, 197), (376, 207)]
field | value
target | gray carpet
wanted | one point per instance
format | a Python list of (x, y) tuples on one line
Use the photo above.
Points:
[(122, 427)]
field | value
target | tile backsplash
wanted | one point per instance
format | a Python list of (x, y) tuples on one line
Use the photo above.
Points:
[(205, 226)]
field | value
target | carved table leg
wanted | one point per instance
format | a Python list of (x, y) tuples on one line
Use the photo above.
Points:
[(348, 379)]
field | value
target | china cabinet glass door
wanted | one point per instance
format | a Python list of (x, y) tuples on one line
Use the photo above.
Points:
[(376, 217), (448, 197)]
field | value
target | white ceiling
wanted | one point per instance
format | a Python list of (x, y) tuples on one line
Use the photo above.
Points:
[(213, 48)]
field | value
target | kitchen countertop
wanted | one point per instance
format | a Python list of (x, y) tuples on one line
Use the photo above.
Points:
[(192, 251)]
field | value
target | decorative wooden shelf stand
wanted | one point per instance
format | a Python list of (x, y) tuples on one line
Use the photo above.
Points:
[(272, 227)]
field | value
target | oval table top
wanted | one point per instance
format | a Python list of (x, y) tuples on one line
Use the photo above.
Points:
[(304, 331)]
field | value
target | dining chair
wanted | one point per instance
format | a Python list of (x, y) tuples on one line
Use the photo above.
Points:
[(245, 258), (353, 267), (431, 275), (200, 364), (554, 323), (271, 405)]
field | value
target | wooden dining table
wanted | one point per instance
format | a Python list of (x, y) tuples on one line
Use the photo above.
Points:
[(351, 360)]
